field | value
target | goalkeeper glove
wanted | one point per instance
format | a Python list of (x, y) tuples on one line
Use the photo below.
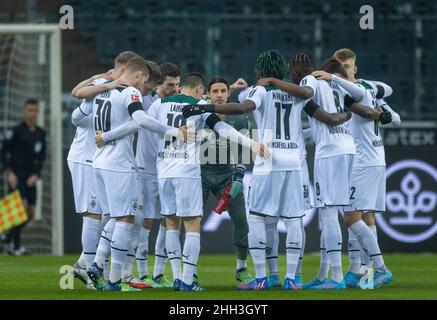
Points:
[(385, 117)]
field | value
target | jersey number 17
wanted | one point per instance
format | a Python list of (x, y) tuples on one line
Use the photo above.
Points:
[(285, 120)]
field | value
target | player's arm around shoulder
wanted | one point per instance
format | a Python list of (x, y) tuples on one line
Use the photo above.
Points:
[(297, 91), (312, 109), (93, 90), (227, 131)]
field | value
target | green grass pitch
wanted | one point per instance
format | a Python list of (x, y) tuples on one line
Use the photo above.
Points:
[(38, 277)]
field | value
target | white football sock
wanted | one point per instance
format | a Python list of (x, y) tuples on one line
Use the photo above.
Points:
[(106, 270), (293, 245), (142, 254), (354, 249), (126, 270), (333, 240), (369, 243), (81, 261), (257, 244), (190, 256), (90, 239), (104, 247), (299, 264), (103, 222), (365, 259), (119, 247), (375, 233), (160, 252), (241, 264), (173, 246), (272, 247), (324, 260)]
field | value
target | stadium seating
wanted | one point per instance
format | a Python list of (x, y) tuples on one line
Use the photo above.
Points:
[(226, 37)]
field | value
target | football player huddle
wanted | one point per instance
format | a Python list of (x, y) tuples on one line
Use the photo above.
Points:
[(151, 145)]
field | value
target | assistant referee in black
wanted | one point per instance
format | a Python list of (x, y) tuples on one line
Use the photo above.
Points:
[(23, 154)]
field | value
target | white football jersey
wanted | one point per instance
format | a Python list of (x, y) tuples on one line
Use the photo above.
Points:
[(330, 141), (279, 128), (147, 143), (176, 159), (299, 104), (77, 148), (83, 146), (110, 111), (366, 133)]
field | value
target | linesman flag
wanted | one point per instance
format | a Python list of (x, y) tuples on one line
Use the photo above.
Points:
[(12, 211)]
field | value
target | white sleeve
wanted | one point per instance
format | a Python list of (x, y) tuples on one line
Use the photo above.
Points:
[(307, 134), (149, 123), (356, 91), (153, 108), (256, 95), (122, 131), (384, 90), (132, 100), (311, 82), (243, 94), (226, 131), (84, 110), (395, 117)]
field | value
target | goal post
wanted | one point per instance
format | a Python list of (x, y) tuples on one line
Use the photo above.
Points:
[(30, 67)]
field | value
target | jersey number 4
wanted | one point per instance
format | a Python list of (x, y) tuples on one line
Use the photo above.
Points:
[(285, 120), (102, 119)]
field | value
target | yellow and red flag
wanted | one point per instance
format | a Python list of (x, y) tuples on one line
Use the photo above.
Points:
[(12, 211)]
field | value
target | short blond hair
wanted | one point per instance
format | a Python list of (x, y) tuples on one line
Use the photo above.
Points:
[(344, 54), (138, 64), (124, 57)]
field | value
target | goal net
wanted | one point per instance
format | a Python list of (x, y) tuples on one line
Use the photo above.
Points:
[(30, 68)]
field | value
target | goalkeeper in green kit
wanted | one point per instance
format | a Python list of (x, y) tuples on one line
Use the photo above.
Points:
[(222, 178)]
